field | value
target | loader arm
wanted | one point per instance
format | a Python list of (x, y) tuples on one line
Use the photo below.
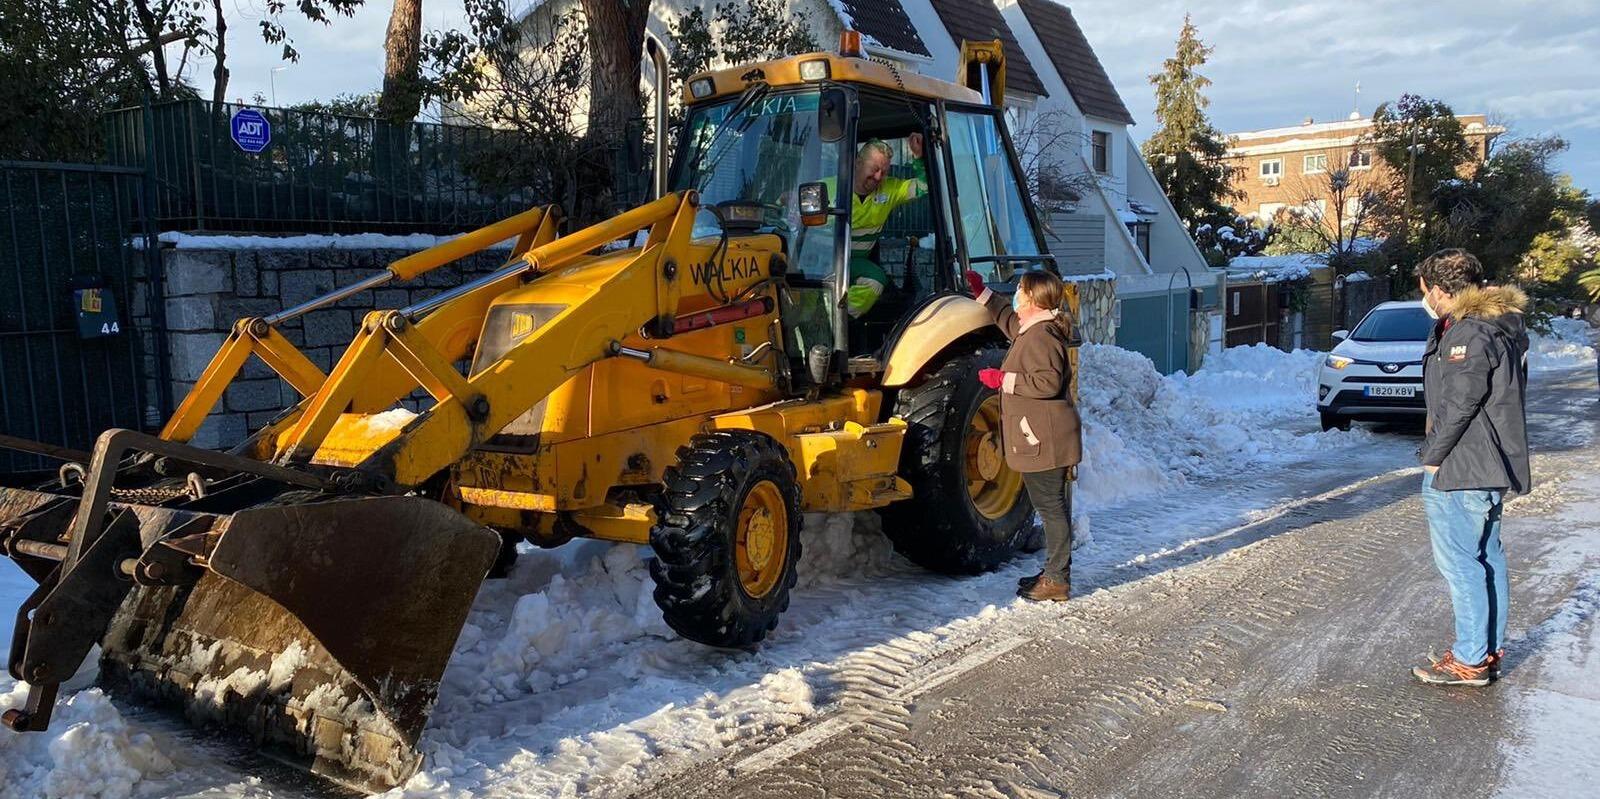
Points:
[(598, 305), (259, 337)]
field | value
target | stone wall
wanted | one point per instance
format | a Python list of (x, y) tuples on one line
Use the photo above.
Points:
[(1097, 305), (208, 289)]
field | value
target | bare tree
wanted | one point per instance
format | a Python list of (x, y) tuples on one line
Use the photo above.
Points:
[(1048, 145), (1338, 207)]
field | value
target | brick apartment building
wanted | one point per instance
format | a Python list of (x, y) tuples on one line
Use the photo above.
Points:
[(1284, 167)]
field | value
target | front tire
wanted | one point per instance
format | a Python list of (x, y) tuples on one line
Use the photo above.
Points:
[(1333, 421), (728, 538), (968, 512)]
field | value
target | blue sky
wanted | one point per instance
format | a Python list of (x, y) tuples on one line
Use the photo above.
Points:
[(1535, 64)]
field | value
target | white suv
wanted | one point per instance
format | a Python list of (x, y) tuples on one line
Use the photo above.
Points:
[(1375, 371)]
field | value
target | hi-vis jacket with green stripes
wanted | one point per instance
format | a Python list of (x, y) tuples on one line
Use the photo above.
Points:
[(868, 214)]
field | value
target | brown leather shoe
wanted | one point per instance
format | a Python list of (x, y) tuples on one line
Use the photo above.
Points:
[(1048, 589)]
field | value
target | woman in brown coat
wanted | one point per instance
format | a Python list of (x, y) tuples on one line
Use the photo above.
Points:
[(1040, 423)]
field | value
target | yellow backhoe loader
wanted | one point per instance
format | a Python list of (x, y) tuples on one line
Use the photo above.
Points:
[(687, 375)]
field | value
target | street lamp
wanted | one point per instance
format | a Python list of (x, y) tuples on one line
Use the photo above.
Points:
[(273, 83)]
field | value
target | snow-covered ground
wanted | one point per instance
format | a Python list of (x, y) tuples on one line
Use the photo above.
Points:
[(566, 681)]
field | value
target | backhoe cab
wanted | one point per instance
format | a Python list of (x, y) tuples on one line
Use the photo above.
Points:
[(696, 390)]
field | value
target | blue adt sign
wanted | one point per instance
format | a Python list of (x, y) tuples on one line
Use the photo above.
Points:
[(251, 131)]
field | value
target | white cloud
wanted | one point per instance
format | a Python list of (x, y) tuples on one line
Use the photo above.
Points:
[(1276, 63)]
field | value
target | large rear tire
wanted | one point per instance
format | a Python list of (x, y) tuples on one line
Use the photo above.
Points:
[(968, 512), (728, 538)]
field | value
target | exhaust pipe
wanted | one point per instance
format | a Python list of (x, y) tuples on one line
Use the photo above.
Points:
[(658, 57)]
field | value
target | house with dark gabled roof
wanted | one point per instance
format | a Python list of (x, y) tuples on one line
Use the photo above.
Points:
[(1135, 209)]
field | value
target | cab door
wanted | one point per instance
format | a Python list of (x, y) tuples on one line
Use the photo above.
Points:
[(997, 229)]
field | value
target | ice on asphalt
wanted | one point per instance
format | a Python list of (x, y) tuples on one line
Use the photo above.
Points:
[(565, 677)]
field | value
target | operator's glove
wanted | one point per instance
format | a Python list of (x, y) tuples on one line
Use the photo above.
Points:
[(991, 377), (975, 281)]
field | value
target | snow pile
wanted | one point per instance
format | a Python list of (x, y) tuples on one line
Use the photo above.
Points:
[(565, 605), (88, 751), (1569, 343), (1258, 378), (1144, 432)]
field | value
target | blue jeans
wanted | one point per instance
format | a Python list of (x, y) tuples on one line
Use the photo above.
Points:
[(1465, 529)]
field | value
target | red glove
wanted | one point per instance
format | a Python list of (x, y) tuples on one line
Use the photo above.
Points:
[(975, 281), (991, 377)]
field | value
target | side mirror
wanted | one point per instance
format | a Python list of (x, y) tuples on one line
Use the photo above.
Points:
[(1341, 335), (831, 114), (814, 203)]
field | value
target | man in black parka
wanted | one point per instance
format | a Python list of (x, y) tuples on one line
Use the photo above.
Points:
[(1474, 377)]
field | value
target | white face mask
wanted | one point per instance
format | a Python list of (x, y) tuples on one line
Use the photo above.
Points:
[(1428, 306)]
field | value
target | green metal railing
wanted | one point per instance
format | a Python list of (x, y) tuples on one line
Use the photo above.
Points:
[(326, 172), (63, 228)]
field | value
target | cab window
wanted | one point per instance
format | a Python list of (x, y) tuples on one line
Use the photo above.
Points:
[(993, 216)]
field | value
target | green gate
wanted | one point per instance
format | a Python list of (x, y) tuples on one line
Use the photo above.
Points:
[(79, 312)]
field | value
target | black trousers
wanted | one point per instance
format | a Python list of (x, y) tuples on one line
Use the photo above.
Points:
[(1048, 490)]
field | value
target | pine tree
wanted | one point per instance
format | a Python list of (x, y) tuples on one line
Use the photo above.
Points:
[(1187, 154)]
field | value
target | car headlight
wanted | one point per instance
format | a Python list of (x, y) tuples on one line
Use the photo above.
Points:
[(1338, 361)]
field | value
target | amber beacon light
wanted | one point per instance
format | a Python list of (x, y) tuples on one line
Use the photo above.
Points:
[(850, 43)]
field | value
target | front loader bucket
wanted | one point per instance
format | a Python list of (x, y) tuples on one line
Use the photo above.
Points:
[(317, 627), (320, 629)]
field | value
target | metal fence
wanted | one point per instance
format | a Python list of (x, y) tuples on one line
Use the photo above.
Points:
[(77, 352), (322, 172)]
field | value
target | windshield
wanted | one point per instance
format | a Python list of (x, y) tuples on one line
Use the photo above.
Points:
[(1394, 324), (762, 155)]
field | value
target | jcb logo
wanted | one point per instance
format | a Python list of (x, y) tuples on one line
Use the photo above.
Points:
[(522, 326)]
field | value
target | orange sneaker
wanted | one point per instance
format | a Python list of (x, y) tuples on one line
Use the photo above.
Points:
[(1449, 671)]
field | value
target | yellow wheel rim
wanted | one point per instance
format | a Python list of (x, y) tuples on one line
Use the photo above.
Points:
[(992, 484), (762, 543)]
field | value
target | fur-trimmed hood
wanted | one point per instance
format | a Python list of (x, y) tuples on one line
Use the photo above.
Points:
[(1488, 302)]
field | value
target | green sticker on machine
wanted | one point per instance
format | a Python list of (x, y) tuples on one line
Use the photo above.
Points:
[(738, 335)]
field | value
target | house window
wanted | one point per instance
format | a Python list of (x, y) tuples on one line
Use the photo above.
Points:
[(1360, 159), (1269, 211), (1316, 163), (1272, 170), (1141, 237), (1100, 146), (1352, 209)]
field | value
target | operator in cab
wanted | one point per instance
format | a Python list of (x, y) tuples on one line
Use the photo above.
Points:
[(874, 196)]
